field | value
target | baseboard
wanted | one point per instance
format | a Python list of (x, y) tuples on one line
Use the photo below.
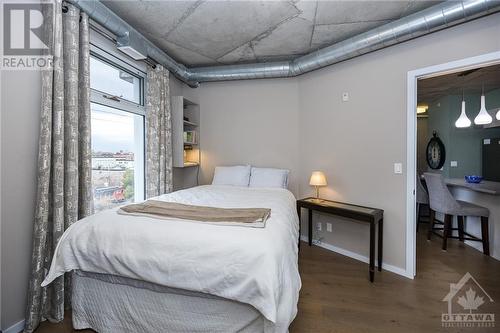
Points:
[(357, 256), (16, 328)]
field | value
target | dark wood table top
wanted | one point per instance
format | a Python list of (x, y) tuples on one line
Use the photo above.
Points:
[(348, 210)]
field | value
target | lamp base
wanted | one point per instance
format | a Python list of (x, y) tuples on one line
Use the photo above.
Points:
[(317, 192)]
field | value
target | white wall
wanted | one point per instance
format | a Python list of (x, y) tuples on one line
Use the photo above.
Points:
[(355, 143), (249, 122), (20, 116)]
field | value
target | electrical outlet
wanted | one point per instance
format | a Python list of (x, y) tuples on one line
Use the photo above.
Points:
[(329, 227), (318, 226), (453, 164)]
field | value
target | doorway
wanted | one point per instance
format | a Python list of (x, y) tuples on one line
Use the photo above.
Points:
[(414, 162)]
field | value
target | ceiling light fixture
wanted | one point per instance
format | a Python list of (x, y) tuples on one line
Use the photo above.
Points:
[(422, 108), (498, 115), (463, 121), (483, 117)]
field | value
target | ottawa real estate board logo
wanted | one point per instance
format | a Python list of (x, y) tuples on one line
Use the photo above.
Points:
[(25, 38), (469, 305)]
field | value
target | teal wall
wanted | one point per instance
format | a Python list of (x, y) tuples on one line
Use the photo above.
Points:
[(463, 145)]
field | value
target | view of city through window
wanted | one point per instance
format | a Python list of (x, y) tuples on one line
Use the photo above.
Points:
[(117, 133), (117, 153)]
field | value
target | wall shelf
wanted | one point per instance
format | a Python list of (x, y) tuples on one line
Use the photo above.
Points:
[(189, 123), (188, 164), (185, 154)]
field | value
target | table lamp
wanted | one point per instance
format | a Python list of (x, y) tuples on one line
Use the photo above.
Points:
[(317, 179)]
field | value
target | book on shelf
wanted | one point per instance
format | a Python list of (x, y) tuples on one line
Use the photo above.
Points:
[(190, 137)]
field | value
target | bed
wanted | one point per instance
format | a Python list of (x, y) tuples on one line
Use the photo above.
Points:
[(142, 274)]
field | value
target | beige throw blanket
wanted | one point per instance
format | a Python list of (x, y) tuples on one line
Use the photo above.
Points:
[(250, 217)]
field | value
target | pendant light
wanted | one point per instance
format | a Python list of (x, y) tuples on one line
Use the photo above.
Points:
[(422, 108), (483, 117), (463, 121)]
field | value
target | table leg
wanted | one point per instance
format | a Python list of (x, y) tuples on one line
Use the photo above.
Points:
[(380, 243), (300, 224), (372, 250), (310, 229), (460, 222)]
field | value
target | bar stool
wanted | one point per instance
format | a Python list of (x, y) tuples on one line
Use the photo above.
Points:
[(422, 199), (442, 201)]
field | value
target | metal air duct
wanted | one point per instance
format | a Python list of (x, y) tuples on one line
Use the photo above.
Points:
[(432, 19), (108, 19)]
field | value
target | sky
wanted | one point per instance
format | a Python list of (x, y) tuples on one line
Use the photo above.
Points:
[(112, 130)]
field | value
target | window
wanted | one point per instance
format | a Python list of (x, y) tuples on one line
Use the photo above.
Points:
[(117, 126), (114, 81)]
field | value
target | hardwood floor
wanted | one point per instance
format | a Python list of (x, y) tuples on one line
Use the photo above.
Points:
[(336, 295)]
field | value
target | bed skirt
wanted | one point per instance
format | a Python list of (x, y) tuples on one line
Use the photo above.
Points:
[(112, 304)]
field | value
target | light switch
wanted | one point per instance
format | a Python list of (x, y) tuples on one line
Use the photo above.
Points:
[(329, 227), (453, 164), (345, 96), (398, 168)]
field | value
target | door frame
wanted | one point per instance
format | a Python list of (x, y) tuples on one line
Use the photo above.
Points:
[(411, 140)]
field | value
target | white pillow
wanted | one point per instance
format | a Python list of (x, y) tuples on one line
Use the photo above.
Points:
[(238, 175), (269, 177)]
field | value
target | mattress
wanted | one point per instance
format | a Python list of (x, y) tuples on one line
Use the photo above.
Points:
[(113, 304), (253, 266)]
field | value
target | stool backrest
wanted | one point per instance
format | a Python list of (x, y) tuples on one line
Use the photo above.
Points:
[(422, 196), (440, 198)]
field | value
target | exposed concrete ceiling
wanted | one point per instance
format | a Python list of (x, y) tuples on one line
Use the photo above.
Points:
[(470, 81), (199, 33)]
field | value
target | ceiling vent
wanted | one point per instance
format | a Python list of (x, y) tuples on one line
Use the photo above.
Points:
[(132, 46)]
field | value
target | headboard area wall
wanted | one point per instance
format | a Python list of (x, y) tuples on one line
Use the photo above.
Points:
[(249, 122)]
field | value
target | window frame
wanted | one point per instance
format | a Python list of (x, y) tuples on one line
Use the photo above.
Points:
[(101, 97), (105, 51)]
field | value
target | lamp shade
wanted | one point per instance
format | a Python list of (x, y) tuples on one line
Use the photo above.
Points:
[(483, 117), (318, 179), (463, 121)]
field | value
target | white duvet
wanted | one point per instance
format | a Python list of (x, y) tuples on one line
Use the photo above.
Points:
[(257, 266)]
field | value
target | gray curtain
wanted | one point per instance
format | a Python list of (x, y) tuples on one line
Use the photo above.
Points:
[(158, 133), (64, 189)]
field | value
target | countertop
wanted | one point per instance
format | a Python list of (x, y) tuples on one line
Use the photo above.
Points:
[(485, 186)]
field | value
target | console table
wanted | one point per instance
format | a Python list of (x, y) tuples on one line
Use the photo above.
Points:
[(373, 216)]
